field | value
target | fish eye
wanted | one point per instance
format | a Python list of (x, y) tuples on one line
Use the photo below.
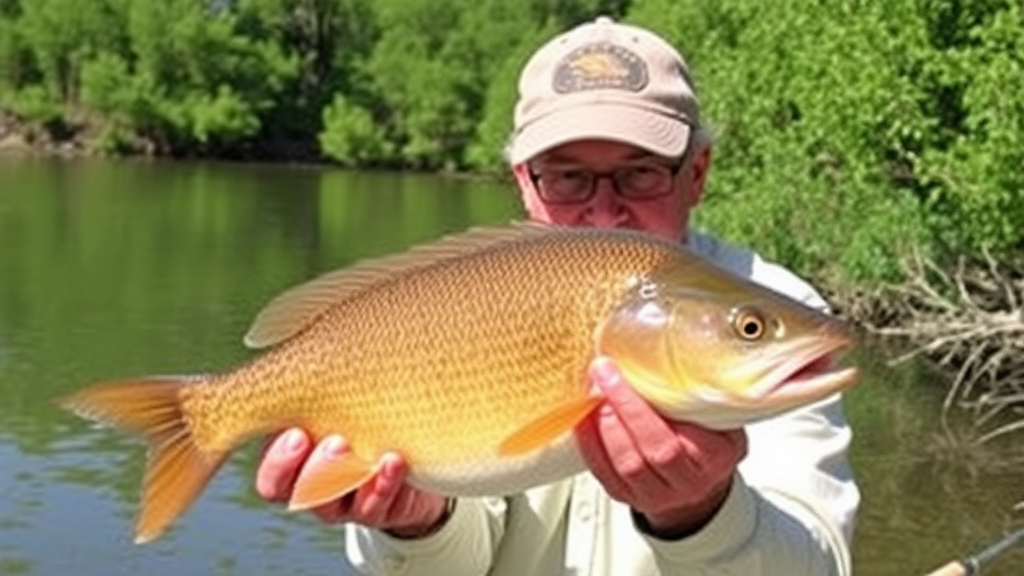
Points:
[(749, 324)]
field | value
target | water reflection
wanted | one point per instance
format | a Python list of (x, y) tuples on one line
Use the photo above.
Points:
[(113, 269), (929, 495)]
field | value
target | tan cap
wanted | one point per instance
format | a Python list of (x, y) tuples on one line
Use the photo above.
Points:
[(609, 81)]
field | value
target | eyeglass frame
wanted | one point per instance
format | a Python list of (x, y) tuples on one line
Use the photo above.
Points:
[(596, 176)]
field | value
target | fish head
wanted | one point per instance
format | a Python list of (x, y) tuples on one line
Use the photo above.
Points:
[(725, 356)]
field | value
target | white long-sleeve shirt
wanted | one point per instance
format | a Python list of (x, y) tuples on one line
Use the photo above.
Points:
[(790, 511)]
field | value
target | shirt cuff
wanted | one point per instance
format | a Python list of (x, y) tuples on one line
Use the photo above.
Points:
[(727, 532), (458, 514)]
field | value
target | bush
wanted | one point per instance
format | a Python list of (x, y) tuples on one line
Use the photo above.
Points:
[(975, 182), (351, 136)]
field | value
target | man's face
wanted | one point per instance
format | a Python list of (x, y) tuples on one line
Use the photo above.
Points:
[(666, 214)]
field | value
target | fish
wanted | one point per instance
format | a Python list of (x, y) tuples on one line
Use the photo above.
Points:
[(468, 355)]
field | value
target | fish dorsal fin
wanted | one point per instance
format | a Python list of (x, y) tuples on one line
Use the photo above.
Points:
[(298, 307)]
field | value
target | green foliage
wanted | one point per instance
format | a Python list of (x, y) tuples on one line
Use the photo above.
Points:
[(35, 105), (325, 43), (431, 67), (198, 101), (12, 56), (486, 150), (198, 77), (848, 132), (974, 181), (60, 35), (440, 71), (225, 115), (175, 76), (351, 136), (420, 84)]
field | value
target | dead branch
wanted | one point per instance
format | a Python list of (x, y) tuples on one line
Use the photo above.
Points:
[(968, 320)]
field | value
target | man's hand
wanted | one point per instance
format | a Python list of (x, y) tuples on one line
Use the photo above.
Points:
[(675, 475), (386, 502)]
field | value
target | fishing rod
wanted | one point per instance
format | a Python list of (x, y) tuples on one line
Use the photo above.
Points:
[(972, 565)]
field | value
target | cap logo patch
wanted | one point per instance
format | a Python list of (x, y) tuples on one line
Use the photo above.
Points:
[(597, 66)]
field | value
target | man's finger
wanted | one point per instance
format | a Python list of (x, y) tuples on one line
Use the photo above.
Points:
[(336, 510), (641, 418), (280, 465), (374, 501)]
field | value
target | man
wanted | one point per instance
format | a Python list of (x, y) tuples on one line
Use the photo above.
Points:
[(608, 134)]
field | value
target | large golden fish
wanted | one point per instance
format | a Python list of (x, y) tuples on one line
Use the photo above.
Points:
[(469, 357)]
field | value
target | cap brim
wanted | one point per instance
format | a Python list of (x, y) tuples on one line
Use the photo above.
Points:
[(657, 133)]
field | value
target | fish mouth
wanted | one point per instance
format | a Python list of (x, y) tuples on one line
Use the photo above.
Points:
[(810, 369)]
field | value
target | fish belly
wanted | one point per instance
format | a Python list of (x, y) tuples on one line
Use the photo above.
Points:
[(502, 476)]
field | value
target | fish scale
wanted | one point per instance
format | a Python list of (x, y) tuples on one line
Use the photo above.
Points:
[(380, 402)]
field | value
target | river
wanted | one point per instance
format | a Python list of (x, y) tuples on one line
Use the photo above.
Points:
[(116, 268)]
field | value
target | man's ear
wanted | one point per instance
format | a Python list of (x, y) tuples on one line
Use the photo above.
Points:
[(522, 173), (700, 166), (531, 201)]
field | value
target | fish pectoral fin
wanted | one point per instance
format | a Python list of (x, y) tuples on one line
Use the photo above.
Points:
[(329, 480), (548, 427)]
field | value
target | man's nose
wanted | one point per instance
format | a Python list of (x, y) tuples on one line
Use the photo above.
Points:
[(606, 209)]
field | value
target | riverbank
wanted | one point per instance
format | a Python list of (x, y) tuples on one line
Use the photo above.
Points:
[(20, 138), (87, 139)]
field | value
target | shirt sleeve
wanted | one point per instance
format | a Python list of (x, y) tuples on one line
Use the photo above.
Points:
[(464, 546)]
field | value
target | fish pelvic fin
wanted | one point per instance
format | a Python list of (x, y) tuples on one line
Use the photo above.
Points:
[(548, 427), (176, 469), (330, 479)]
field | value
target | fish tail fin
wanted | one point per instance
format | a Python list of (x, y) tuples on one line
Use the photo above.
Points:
[(177, 470)]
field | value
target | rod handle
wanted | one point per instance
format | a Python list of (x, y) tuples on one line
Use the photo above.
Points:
[(954, 568)]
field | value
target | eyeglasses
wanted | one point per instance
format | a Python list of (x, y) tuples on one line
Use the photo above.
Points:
[(575, 185)]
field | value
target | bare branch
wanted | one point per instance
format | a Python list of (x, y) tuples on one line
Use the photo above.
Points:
[(966, 319)]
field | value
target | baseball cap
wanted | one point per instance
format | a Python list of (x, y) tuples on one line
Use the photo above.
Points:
[(605, 80)]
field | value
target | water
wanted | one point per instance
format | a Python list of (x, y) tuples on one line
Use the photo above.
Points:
[(113, 269)]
